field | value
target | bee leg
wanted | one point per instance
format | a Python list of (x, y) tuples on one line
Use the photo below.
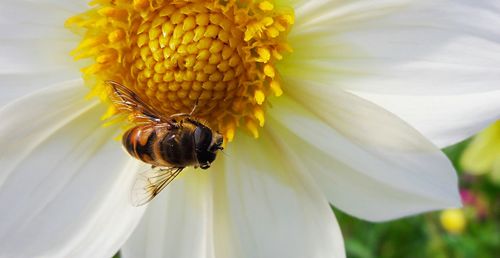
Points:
[(194, 107), (179, 115), (186, 114), (171, 125)]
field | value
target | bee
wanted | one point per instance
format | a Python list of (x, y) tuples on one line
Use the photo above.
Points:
[(168, 143)]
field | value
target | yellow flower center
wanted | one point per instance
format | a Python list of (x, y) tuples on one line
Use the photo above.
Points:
[(174, 54)]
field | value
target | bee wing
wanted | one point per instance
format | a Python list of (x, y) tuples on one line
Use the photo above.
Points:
[(127, 100), (150, 183)]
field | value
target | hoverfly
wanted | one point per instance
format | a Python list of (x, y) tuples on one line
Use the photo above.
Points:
[(167, 143)]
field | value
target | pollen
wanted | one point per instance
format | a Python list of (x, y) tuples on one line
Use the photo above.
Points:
[(219, 56)]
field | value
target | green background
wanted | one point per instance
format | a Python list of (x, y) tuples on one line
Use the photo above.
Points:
[(423, 236)]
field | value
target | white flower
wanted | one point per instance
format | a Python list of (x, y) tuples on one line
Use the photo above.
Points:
[(432, 68)]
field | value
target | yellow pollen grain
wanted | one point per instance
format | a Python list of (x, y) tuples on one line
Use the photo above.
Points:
[(116, 36), (269, 70), (289, 19), (264, 55), (220, 55), (259, 115), (104, 58), (252, 127), (266, 6), (276, 88), (230, 131), (260, 96), (140, 4)]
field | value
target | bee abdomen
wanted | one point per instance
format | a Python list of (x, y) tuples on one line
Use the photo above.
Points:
[(139, 143)]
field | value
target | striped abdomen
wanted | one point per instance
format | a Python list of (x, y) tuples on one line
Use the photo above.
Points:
[(159, 145)]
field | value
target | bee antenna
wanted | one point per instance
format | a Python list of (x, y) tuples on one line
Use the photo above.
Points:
[(223, 152)]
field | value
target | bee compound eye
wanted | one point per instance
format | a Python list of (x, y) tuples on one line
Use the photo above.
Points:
[(203, 141), (202, 138)]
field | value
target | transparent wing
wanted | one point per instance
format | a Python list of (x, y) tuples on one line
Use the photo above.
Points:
[(151, 182), (126, 100)]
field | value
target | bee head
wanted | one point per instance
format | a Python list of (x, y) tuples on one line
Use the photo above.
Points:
[(207, 143)]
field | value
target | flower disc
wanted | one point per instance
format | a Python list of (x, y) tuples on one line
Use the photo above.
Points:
[(174, 54)]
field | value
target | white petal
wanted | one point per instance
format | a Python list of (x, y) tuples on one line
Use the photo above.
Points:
[(443, 119), (398, 46), (35, 46), (253, 205), (266, 208), (37, 19), (178, 223), (368, 162), (64, 181)]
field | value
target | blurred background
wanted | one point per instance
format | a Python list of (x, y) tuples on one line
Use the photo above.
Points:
[(473, 231)]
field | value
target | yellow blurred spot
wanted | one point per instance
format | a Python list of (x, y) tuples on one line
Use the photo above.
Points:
[(453, 220)]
